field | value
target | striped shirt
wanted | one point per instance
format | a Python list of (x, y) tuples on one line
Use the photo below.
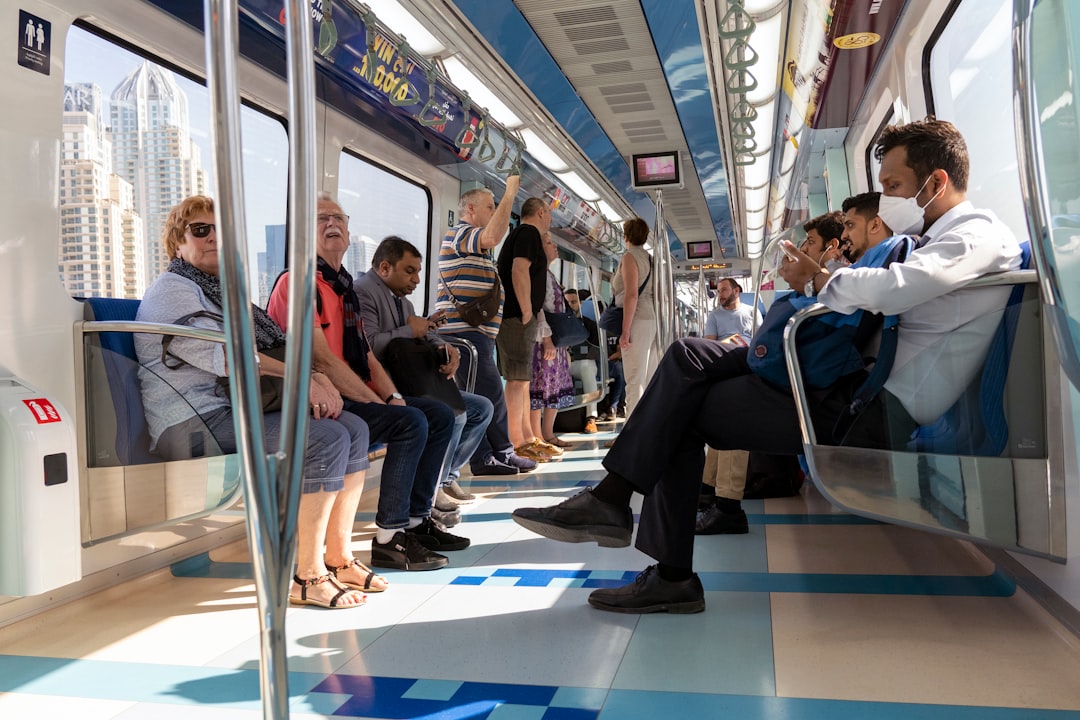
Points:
[(470, 271)]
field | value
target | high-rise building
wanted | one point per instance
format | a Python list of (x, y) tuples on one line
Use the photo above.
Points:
[(153, 150), (100, 231), (271, 262)]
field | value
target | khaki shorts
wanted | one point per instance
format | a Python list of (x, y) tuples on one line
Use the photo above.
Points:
[(515, 349)]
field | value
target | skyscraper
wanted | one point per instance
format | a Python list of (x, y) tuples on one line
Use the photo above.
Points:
[(101, 236), (152, 149)]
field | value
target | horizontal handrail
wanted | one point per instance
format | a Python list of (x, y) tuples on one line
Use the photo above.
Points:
[(791, 355), (152, 328)]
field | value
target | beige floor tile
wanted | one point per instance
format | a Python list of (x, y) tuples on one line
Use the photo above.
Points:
[(876, 549), (946, 650)]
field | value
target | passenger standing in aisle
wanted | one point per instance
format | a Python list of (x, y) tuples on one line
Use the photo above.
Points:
[(633, 288), (467, 269)]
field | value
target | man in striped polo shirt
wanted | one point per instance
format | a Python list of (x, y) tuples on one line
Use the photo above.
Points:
[(467, 267)]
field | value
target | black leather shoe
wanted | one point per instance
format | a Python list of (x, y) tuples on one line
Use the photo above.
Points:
[(714, 521), (649, 593), (405, 552), (435, 538), (448, 519), (582, 518)]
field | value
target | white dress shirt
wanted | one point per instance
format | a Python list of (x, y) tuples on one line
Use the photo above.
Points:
[(944, 332)]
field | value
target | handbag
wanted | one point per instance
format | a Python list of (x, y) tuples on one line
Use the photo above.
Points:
[(271, 389), (413, 364), (479, 310), (566, 328), (612, 317)]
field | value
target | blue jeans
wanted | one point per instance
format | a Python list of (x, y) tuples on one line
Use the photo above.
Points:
[(470, 427), (489, 384), (416, 437), (334, 448), (618, 385)]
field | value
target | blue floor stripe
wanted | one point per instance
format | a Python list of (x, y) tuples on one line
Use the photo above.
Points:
[(389, 698), (996, 584)]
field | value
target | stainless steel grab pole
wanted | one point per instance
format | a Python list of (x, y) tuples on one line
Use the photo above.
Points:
[(271, 481)]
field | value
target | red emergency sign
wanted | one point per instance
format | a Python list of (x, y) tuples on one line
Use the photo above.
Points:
[(43, 410)]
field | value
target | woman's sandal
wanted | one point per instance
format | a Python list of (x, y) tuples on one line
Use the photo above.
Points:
[(371, 576), (557, 442), (333, 604)]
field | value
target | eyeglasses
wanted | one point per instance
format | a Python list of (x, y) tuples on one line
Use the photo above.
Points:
[(201, 230), (339, 218)]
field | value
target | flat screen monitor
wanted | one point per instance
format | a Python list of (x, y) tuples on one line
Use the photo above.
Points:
[(698, 250), (656, 170)]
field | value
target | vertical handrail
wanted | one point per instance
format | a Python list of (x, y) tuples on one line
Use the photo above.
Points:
[(271, 481), (663, 281), (1029, 148)]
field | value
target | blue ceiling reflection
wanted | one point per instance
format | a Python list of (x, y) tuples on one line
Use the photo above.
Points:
[(677, 37)]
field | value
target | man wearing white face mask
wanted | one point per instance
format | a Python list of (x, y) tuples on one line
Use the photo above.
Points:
[(944, 332)]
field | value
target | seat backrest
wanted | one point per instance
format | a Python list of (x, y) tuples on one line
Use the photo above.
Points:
[(121, 370), (976, 423)]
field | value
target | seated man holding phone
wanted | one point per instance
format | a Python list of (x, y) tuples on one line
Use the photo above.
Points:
[(388, 314)]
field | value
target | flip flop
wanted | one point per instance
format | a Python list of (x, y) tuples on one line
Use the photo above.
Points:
[(333, 604), (367, 586)]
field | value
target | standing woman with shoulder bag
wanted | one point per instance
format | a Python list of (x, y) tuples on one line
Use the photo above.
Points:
[(638, 338)]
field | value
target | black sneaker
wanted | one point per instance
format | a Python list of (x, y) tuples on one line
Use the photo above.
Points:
[(431, 536), (714, 521), (494, 466), (406, 552)]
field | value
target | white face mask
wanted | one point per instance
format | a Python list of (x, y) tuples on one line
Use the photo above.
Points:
[(904, 215)]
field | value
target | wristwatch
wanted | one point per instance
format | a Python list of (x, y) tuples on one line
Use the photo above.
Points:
[(393, 396), (808, 289)]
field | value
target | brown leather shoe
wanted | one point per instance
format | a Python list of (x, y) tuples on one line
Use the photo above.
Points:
[(590, 426)]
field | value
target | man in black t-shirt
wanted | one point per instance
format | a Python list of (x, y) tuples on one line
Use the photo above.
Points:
[(522, 270)]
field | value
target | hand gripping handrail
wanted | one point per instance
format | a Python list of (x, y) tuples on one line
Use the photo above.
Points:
[(271, 480)]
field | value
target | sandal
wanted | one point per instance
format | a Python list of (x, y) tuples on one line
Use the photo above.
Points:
[(371, 576), (333, 604), (557, 442)]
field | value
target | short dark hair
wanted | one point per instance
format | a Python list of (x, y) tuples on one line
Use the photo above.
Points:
[(734, 284), (531, 206), (569, 291), (931, 145), (392, 249), (636, 231), (829, 226), (865, 204)]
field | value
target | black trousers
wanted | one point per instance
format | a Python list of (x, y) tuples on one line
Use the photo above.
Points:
[(703, 393)]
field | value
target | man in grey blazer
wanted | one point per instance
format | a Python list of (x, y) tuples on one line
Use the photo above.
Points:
[(388, 314)]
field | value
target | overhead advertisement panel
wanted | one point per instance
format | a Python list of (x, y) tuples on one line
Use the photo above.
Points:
[(395, 81)]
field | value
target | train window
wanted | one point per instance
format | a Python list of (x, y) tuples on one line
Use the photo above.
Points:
[(136, 143), (970, 71), (381, 203)]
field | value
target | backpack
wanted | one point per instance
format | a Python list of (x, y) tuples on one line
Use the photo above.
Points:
[(829, 347)]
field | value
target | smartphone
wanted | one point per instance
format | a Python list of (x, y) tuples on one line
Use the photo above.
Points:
[(787, 251)]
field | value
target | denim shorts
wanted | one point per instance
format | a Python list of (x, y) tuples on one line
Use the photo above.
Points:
[(335, 448)]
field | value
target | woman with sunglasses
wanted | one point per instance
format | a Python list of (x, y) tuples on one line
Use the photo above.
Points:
[(191, 401)]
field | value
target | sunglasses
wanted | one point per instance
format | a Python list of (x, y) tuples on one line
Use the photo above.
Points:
[(200, 230)]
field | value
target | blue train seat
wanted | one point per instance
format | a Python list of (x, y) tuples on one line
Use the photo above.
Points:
[(976, 424), (121, 369)]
